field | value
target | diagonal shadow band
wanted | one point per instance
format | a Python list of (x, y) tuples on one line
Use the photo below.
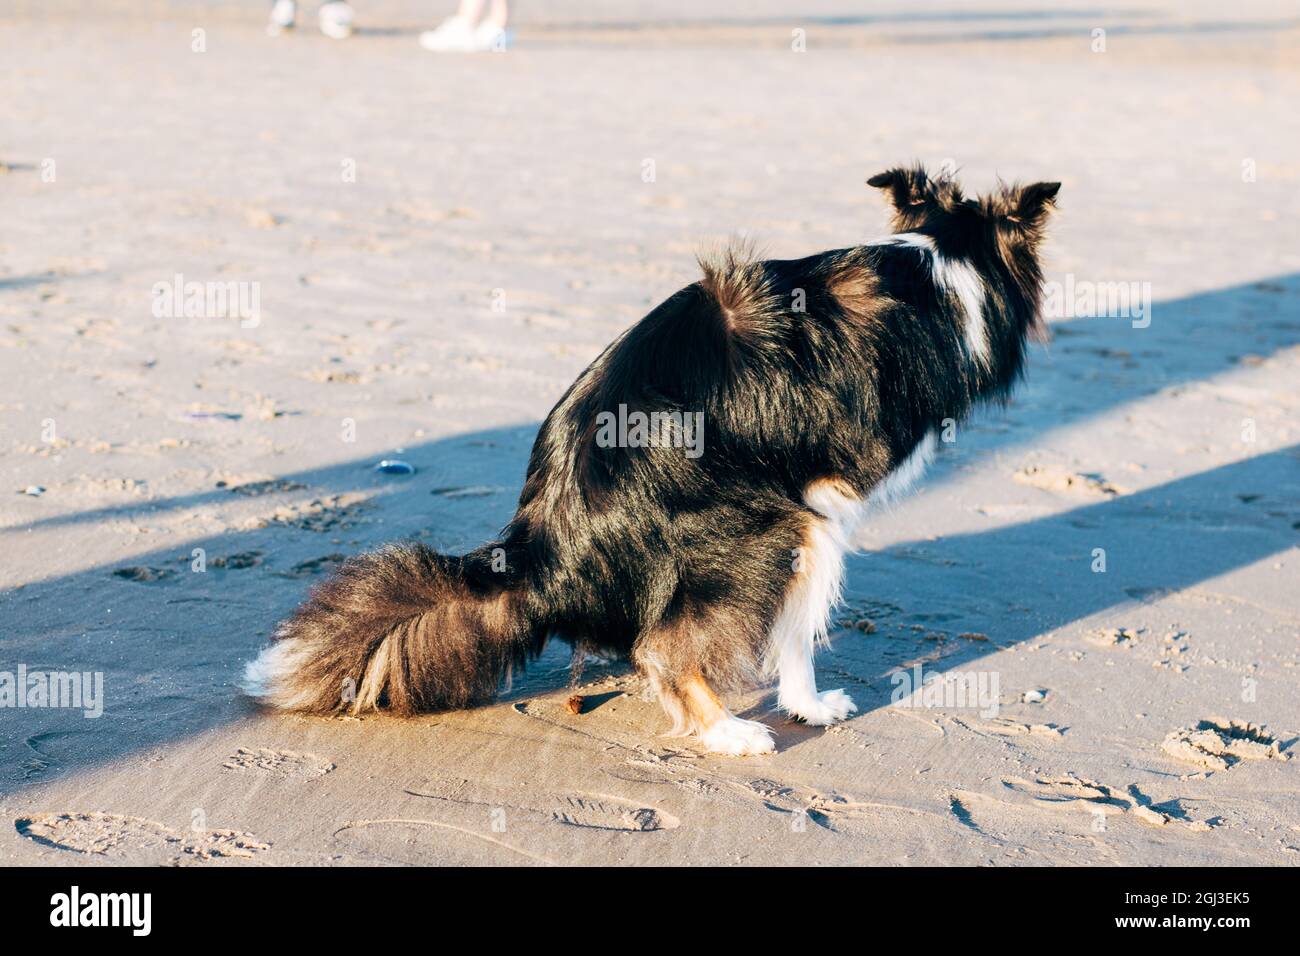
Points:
[(171, 650), (1184, 343), (1018, 582)]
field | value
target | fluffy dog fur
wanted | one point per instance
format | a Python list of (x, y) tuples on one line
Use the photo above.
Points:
[(822, 382)]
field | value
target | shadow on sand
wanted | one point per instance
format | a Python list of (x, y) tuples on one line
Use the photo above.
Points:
[(171, 642)]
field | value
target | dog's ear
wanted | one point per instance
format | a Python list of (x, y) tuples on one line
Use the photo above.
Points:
[(1033, 202), (906, 188)]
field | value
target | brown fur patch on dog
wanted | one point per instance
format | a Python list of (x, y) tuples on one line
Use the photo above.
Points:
[(830, 483), (855, 287), (702, 705), (739, 285)]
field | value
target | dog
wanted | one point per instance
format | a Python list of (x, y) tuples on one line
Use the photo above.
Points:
[(690, 500)]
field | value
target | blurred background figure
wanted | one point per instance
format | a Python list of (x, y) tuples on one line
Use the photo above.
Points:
[(478, 26), (335, 17)]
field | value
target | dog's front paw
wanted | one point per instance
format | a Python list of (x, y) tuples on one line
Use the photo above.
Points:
[(830, 707), (737, 738)]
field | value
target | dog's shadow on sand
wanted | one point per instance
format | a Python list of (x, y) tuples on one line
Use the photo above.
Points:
[(171, 640)]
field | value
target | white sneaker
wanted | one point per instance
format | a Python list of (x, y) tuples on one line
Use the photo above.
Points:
[(453, 35), (336, 19), (491, 37), (283, 15)]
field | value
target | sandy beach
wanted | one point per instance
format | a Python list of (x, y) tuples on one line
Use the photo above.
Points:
[(430, 248)]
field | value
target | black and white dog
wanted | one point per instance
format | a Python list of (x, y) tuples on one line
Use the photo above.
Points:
[(819, 384)]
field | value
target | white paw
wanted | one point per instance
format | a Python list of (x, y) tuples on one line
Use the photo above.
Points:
[(738, 738), (829, 707)]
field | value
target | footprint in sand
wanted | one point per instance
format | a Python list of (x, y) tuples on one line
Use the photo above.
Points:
[(586, 810), (43, 748), (329, 513), (237, 562), (267, 486), (135, 840), (143, 575), (1068, 791), (1218, 743), (607, 813), (1006, 727), (422, 842), (828, 811), (1055, 479), (278, 763), (1116, 637), (466, 491), (326, 562)]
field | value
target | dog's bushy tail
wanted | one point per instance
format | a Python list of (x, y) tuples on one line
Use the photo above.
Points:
[(403, 629)]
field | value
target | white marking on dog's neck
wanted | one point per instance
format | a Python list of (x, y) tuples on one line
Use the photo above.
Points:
[(958, 278), (916, 240)]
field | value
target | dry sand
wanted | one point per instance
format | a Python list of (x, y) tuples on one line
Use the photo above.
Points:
[(498, 233)]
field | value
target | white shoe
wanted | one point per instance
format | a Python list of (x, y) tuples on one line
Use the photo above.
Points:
[(491, 37), (283, 15), (336, 19), (453, 35)]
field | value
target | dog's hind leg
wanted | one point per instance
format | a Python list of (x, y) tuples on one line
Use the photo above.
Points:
[(730, 578), (694, 708)]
